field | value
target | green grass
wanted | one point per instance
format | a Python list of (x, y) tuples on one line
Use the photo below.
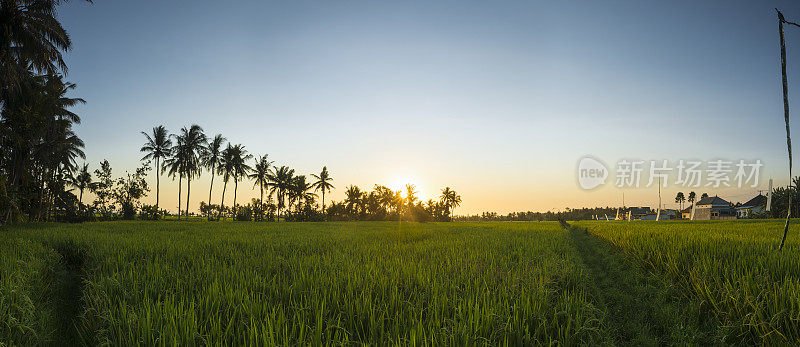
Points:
[(397, 283), (730, 271)]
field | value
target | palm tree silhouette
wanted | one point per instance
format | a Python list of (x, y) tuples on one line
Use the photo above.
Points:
[(680, 198), (450, 199), (82, 180), (193, 141), (352, 199), (32, 39), (226, 164), (239, 169), (185, 160), (260, 175), (411, 194), (158, 147), (211, 158), (281, 182), (322, 183), (300, 191)]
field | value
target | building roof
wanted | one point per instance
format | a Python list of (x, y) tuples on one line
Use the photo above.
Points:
[(713, 201), (687, 210), (759, 200)]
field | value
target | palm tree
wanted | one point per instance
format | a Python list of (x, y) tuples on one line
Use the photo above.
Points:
[(692, 197), (239, 169), (193, 143), (411, 194), (450, 199), (175, 167), (260, 175), (323, 183), (82, 180), (352, 199), (157, 147), (300, 190), (680, 198), (281, 182), (226, 164), (185, 161), (211, 158), (31, 39)]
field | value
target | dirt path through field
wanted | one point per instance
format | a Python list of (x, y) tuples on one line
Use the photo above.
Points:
[(639, 308)]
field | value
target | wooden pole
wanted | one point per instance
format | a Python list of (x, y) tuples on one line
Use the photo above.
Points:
[(781, 20)]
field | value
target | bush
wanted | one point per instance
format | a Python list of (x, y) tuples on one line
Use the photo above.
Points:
[(244, 213), (149, 212)]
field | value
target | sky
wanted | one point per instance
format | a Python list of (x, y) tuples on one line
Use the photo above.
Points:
[(497, 100)]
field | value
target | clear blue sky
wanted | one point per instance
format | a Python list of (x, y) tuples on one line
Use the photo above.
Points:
[(495, 99)]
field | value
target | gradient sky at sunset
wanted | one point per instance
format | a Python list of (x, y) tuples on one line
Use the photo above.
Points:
[(498, 100)]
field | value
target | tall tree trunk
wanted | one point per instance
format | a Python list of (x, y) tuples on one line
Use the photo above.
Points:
[(80, 200), (158, 183), (208, 215), (786, 118), (188, 192), (261, 203), (323, 201), (179, 196), (220, 216), (235, 188)]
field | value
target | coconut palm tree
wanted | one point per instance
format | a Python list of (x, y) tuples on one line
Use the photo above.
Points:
[(176, 166), (192, 143), (680, 198), (322, 183), (211, 158), (281, 182), (226, 165), (260, 176), (158, 147), (301, 191), (352, 199), (450, 199), (411, 196), (82, 180), (239, 169), (32, 39)]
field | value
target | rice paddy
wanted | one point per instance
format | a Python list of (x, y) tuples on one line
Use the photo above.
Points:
[(159, 283)]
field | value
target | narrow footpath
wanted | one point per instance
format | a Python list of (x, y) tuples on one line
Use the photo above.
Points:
[(640, 309)]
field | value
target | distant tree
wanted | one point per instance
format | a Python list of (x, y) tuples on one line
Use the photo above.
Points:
[(226, 164), (281, 182), (239, 170), (260, 176), (103, 188), (82, 180), (185, 160), (411, 196), (158, 147), (352, 200), (680, 198), (323, 183), (211, 159), (450, 200), (130, 189), (705, 195), (692, 197), (301, 191)]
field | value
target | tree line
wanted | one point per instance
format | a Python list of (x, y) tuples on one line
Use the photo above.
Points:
[(38, 146), (289, 195)]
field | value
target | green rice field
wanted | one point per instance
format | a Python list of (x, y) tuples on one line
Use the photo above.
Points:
[(233, 283)]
